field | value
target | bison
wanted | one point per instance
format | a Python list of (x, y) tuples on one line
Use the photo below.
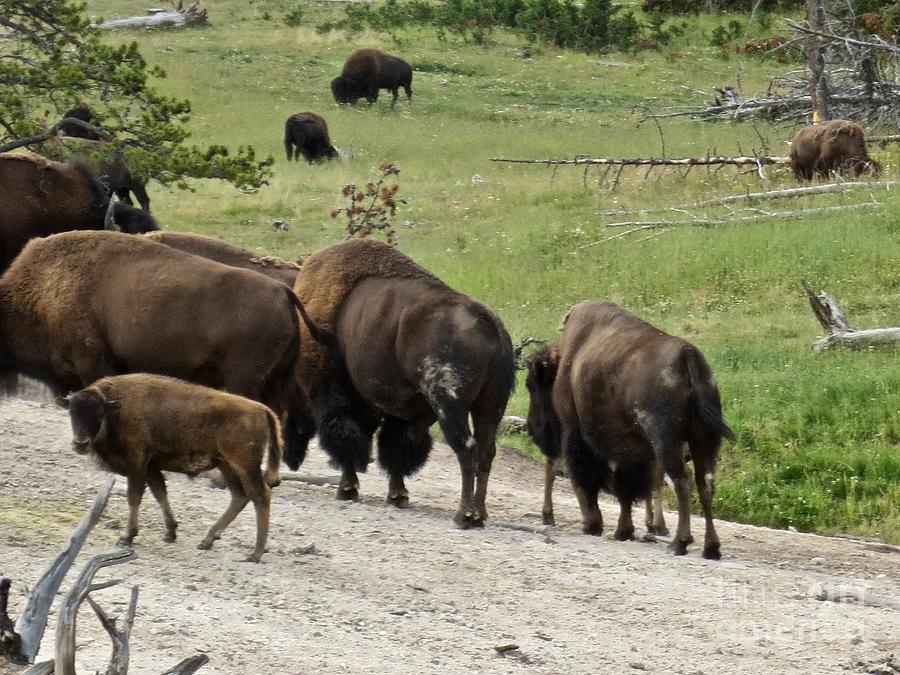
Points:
[(410, 351), (368, 70), (222, 252), (78, 306), (39, 197), (830, 147), (79, 122), (141, 425), (620, 398), (306, 134)]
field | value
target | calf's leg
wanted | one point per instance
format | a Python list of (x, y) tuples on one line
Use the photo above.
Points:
[(136, 485), (158, 488), (238, 502)]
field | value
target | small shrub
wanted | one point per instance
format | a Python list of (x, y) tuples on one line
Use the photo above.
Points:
[(294, 17), (363, 220)]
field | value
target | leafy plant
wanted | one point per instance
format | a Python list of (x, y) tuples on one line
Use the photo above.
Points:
[(363, 220)]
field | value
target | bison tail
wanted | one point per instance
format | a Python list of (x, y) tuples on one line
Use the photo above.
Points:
[(276, 449), (705, 395), (320, 334)]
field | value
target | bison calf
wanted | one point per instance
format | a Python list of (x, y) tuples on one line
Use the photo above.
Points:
[(368, 70), (141, 425), (306, 134), (620, 399), (833, 146)]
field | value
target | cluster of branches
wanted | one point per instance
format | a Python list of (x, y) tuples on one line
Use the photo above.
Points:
[(52, 58), (364, 219), (861, 79)]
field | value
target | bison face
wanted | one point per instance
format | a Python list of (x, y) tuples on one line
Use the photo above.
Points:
[(87, 409), (543, 424), (340, 88)]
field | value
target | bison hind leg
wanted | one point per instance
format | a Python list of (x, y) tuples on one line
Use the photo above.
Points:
[(403, 448), (632, 480)]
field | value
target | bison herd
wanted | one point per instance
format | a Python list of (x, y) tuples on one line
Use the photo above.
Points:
[(178, 352)]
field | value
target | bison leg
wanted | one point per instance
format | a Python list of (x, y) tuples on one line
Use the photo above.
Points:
[(395, 92), (403, 448), (588, 475), (140, 193), (656, 521), (673, 459), (485, 423), (549, 478), (703, 475), (408, 89), (136, 485), (632, 480), (238, 501), (124, 196), (288, 149), (459, 437), (158, 488), (255, 487)]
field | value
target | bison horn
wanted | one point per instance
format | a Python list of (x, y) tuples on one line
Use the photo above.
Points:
[(109, 222)]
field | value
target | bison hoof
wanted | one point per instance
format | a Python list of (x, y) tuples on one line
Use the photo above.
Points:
[(273, 481), (661, 530), (170, 537), (463, 520), (348, 494), (593, 529), (205, 545), (712, 552), (253, 558), (678, 547), (649, 538), (548, 519), (401, 500), (128, 542), (625, 534)]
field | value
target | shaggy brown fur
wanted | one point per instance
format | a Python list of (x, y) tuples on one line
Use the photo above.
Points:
[(141, 425), (412, 351), (233, 256), (368, 70), (830, 147), (39, 197), (306, 134), (79, 306), (619, 399)]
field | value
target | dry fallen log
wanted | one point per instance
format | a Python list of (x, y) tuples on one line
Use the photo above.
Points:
[(653, 161), (33, 620), (513, 424), (192, 15), (839, 592), (189, 666), (840, 333)]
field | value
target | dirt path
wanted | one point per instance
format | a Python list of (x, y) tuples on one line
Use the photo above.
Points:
[(365, 588)]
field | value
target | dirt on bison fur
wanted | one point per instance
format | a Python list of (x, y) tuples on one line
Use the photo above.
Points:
[(360, 587)]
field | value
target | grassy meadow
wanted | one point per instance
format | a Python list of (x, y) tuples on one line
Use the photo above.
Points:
[(818, 443)]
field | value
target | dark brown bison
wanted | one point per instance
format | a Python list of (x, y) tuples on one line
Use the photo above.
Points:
[(78, 306), (412, 351), (39, 197), (79, 122), (306, 134), (110, 166), (619, 399), (368, 70), (830, 147), (141, 425), (222, 252)]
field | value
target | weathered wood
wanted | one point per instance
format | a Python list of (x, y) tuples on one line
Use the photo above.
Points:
[(815, 54), (42, 668), (513, 424), (68, 611), (653, 161), (189, 665), (33, 620), (192, 15), (840, 333), (843, 592), (118, 661)]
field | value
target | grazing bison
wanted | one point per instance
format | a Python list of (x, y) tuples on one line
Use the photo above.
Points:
[(306, 134), (78, 306), (412, 351), (829, 147), (222, 252), (39, 197), (368, 70), (141, 425), (620, 398)]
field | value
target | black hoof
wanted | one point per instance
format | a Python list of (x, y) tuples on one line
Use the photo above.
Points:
[(649, 538), (205, 545), (126, 542), (712, 552), (348, 494), (593, 529), (678, 547), (624, 535), (548, 519), (400, 501), (170, 537)]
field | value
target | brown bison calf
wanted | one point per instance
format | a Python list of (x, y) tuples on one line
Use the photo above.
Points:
[(833, 146), (306, 134), (141, 425), (368, 70), (620, 398)]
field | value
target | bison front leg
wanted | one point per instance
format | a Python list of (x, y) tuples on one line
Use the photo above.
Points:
[(588, 475), (158, 488), (136, 485), (549, 478)]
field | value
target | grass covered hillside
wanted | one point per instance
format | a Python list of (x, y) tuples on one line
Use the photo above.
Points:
[(818, 443)]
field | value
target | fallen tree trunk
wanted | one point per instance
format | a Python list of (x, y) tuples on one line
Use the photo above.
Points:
[(840, 333), (653, 161), (192, 15)]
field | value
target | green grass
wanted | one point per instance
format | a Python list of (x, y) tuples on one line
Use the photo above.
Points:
[(818, 436)]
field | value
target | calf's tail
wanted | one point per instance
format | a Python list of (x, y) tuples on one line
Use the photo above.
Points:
[(276, 449)]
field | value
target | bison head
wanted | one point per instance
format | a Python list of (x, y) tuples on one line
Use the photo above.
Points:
[(341, 89), (87, 412), (543, 423)]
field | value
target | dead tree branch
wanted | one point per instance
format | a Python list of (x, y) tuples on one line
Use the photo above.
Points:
[(65, 625), (189, 665), (118, 662), (33, 620), (838, 329), (192, 15), (652, 161)]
